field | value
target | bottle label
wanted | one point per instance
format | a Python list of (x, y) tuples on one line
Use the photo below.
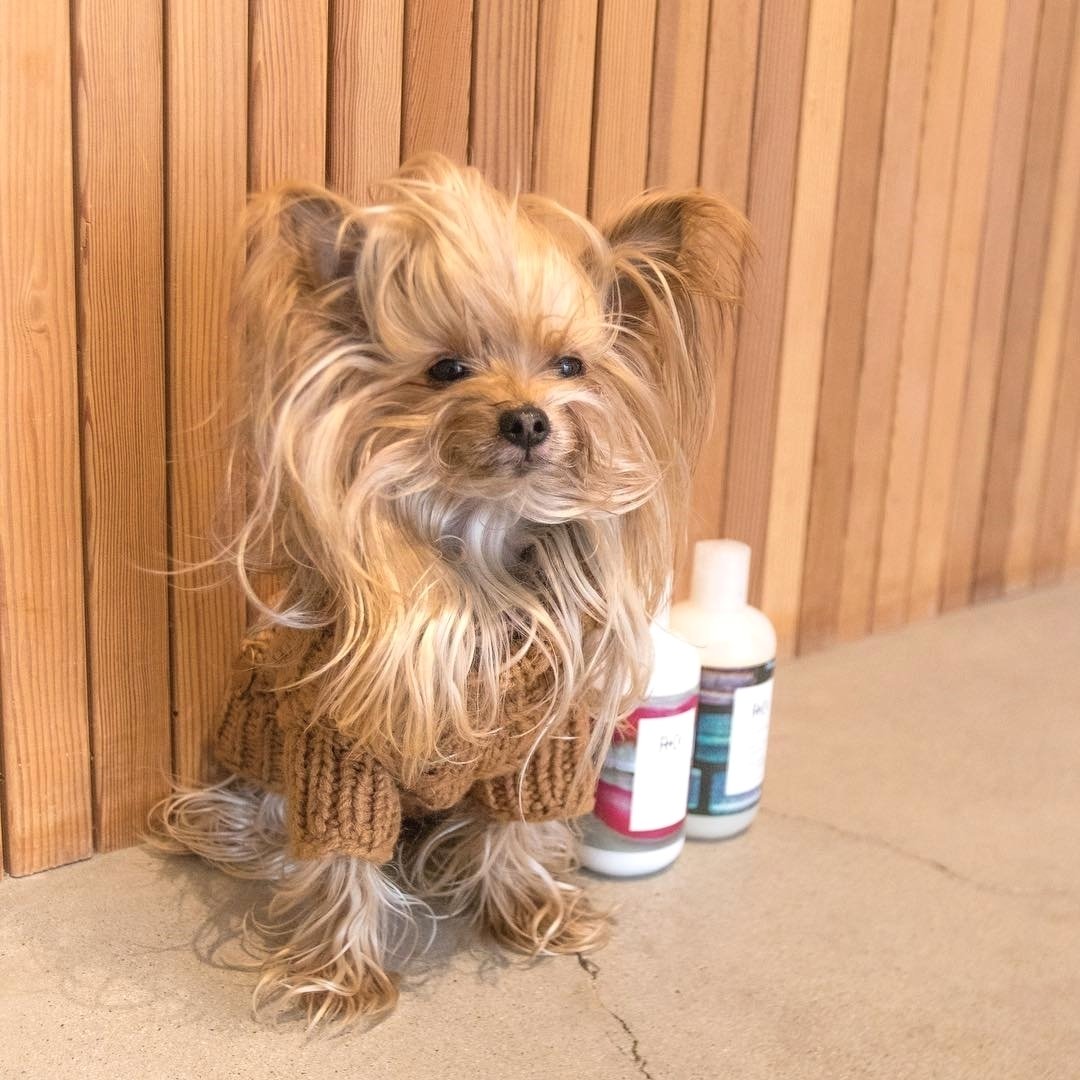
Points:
[(732, 736), (643, 786)]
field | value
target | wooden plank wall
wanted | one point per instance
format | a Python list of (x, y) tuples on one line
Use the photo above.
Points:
[(898, 423)]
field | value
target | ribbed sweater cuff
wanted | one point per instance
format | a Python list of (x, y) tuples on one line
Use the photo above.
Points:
[(339, 801)]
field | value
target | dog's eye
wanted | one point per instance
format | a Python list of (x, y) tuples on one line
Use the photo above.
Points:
[(448, 369), (569, 367)]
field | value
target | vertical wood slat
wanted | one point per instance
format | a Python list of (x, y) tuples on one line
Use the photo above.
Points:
[(366, 43), (565, 59), (995, 278), (726, 126), (781, 53), (1072, 536), (43, 707), (1021, 322), (437, 78), (1060, 262), (918, 342), (820, 137), (1052, 532), (620, 150), (117, 70), (503, 96), (845, 321), (287, 93), (904, 103), (728, 107), (206, 174), (678, 80), (974, 144)]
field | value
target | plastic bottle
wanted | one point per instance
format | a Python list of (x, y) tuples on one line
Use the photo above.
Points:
[(637, 825), (738, 655)]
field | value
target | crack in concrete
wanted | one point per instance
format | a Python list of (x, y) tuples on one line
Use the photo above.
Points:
[(925, 860), (592, 969)]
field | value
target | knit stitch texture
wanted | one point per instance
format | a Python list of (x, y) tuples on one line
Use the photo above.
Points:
[(343, 799)]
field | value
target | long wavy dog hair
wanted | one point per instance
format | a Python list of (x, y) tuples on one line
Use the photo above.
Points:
[(380, 346)]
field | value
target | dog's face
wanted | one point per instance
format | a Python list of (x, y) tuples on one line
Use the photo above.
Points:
[(463, 357), (501, 374)]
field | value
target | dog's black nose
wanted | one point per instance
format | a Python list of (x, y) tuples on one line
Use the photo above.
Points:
[(525, 426)]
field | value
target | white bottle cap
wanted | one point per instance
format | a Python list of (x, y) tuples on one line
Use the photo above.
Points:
[(721, 575)]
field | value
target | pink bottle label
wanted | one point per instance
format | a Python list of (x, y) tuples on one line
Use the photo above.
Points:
[(643, 786)]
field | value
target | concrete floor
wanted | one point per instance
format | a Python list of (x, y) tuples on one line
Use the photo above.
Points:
[(906, 905)]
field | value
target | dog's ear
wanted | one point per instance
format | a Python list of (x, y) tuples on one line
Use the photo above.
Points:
[(672, 247), (673, 282), (301, 248)]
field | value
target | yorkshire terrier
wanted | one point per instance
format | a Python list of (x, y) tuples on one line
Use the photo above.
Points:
[(467, 428)]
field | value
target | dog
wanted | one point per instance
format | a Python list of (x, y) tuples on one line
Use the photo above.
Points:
[(466, 429)]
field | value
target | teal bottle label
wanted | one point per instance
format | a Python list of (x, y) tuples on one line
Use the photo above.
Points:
[(731, 738)]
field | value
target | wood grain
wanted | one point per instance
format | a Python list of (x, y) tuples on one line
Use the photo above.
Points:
[(437, 78), (117, 68), (503, 93), (995, 279), (820, 136), (772, 183), (45, 736), (1072, 538), (565, 56), (206, 92), (922, 310), (287, 119), (1060, 268), (1052, 535), (728, 108), (849, 276), (727, 120), (1022, 316), (726, 125), (974, 145), (620, 150), (682, 38), (904, 103), (366, 43)]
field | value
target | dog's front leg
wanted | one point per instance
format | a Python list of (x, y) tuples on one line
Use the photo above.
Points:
[(505, 857), (333, 923), (337, 920), (513, 879), (330, 931)]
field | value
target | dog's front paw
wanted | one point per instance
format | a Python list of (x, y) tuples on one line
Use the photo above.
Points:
[(556, 918), (329, 990), (326, 937)]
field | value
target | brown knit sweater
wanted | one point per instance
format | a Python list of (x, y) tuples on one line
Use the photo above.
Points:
[(342, 798)]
